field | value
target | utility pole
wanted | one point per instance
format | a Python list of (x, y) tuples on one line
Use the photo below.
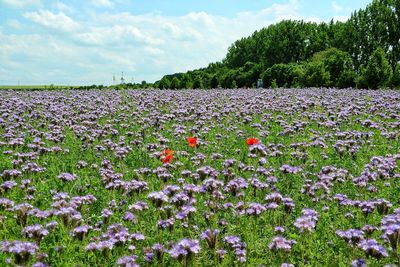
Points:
[(122, 77), (113, 79)]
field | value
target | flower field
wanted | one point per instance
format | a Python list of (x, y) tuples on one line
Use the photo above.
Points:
[(306, 177)]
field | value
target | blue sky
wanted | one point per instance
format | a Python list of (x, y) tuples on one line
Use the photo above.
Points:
[(87, 42)]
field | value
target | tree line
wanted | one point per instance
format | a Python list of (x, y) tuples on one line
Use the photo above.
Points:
[(363, 52)]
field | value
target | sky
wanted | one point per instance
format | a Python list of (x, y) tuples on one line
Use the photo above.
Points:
[(83, 42)]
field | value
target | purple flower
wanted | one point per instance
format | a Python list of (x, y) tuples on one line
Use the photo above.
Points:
[(351, 236), (210, 236), (308, 220), (21, 250), (185, 248), (305, 223), (128, 261), (359, 263), (129, 216), (281, 243), (36, 232), (391, 231), (158, 198), (68, 177), (80, 231), (238, 246), (372, 248), (255, 209)]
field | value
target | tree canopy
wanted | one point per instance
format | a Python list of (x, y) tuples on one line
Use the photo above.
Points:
[(364, 51)]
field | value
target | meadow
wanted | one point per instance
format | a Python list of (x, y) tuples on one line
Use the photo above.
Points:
[(241, 177)]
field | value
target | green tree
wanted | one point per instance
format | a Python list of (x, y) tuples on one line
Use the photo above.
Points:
[(164, 83), (396, 77), (214, 82), (175, 83), (316, 74), (284, 75), (185, 81), (198, 83), (378, 71), (339, 65)]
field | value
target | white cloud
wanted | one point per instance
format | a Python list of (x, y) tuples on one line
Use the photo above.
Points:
[(58, 21), (153, 50), (336, 7), (21, 3), (62, 7), (13, 23), (120, 35), (145, 46), (102, 3)]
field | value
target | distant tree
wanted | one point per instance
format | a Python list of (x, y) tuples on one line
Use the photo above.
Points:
[(198, 83), (284, 75), (316, 75), (279, 73), (214, 82), (396, 77), (185, 81), (175, 83), (378, 71), (339, 65), (164, 83), (227, 78)]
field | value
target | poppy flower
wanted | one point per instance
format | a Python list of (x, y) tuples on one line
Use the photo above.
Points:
[(167, 152), (251, 141), (192, 141), (167, 156)]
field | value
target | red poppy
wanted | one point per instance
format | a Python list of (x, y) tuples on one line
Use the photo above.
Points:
[(167, 156), (168, 159), (167, 152), (192, 141), (251, 141)]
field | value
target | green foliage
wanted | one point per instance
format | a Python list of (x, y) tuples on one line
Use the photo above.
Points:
[(339, 65), (285, 75), (274, 84), (234, 85), (214, 82), (298, 53), (175, 83), (198, 83), (378, 72), (395, 82), (164, 83), (316, 75)]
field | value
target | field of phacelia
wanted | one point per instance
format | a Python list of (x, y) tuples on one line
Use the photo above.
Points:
[(306, 177)]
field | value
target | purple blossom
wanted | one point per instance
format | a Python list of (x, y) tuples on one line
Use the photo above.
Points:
[(372, 248), (281, 243), (128, 261), (68, 177), (351, 236), (210, 236), (359, 263), (185, 248), (21, 250)]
